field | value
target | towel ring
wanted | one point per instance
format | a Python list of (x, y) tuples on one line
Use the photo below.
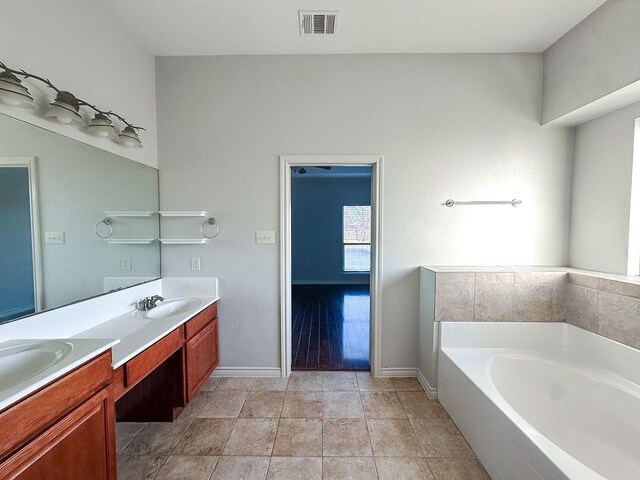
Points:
[(106, 221), (210, 221)]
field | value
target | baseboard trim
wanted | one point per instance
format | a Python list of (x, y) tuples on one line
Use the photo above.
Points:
[(246, 372), (432, 392), (398, 372)]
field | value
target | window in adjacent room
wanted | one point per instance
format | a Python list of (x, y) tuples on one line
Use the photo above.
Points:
[(356, 238)]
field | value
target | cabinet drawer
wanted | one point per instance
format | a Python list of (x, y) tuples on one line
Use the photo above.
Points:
[(139, 367), (201, 320), (29, 417), (202, 357)]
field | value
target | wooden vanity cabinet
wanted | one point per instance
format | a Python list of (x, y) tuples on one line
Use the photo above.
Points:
[(201, 357), (64, 430)]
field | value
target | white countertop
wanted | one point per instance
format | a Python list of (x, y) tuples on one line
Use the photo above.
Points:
[(82, 350), (135, 332)]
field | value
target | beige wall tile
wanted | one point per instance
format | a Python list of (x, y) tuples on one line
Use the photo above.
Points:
[(493, 302), (619, 288), (559, 311), (536, 278), (455, 277), (494, 277), (619, 318), (582, 307), (533, 303), (454, 302), (581, 280)]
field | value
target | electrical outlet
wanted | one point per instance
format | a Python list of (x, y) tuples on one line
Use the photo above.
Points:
[(125, 263), (195, 264), (54, 237), (265, 237)]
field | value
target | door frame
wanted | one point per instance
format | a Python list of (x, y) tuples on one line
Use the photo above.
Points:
[(30, 164), (375, 286)]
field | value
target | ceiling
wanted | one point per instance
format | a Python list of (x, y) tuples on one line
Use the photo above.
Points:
[(243, 27)]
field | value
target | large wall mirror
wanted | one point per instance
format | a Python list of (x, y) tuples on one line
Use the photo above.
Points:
[(55, 194)]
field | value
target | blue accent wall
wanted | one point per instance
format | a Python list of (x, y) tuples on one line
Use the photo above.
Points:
[(16, 268), (316, 221)]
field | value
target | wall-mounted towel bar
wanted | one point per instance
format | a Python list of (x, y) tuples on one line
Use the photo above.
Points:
[(515, 202)]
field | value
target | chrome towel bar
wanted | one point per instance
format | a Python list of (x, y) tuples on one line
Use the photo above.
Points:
[(515, 202)]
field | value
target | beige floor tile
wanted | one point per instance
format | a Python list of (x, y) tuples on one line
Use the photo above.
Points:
[(252, 436), (194, 407), (457, 469), (349, 468), (393, 438), (342, 405), (302, 405), (403, 468), (263, 405), (210, 384), (441, 438), (187, 468), (419, 405), (382, 405), (339, 382), (205, 436), (345, 437), (367, 383), (295, 468), (267, 384), (241, 468), (298, 437), (139, 467), (235, 383), (406, 384), (223, 404), (125, 432), (305, 381), (156, 439)]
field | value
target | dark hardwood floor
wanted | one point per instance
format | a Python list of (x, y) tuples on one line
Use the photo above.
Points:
[(330, 327)]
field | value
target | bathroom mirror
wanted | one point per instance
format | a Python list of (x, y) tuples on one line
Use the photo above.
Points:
[(55, 193)]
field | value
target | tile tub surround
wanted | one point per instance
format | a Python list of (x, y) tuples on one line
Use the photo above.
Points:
[(417, 440)]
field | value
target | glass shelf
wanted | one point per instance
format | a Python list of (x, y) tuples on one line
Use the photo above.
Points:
[(183, 241), (130, 241), (145, 213), (183, 213)]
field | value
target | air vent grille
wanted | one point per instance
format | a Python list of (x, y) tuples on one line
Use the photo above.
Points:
[(318, 23)]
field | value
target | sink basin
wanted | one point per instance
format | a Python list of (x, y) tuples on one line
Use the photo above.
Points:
[(173, 306), (19, 362)]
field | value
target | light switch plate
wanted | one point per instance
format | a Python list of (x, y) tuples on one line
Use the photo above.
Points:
[(125, 263), (264, 236), (54, 237), (195, 264)]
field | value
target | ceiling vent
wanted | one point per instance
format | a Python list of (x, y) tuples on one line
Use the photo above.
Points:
[(318, 23)]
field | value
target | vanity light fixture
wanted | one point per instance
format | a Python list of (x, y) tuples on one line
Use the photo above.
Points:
[(66, 108), (13, 93)]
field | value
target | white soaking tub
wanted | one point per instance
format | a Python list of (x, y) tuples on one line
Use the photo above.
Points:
[(543, 401)]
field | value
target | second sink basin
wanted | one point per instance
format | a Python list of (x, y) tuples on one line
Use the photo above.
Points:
[(20, 361), (173, 306)]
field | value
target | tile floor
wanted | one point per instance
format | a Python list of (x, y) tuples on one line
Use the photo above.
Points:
[(314, 425)]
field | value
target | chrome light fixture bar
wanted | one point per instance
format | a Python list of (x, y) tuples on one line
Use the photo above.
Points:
[(66, 108)]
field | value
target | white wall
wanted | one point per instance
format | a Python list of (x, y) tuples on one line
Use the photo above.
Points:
[(81, 48), (601, 203), (598, 56), (450, 126)]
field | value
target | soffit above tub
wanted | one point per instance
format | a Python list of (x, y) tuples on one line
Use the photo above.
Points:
[(249, 27)]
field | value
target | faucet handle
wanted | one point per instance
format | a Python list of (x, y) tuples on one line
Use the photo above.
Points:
[(142, 305)]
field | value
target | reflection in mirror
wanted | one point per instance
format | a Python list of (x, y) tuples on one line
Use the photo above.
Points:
[(54, 194)]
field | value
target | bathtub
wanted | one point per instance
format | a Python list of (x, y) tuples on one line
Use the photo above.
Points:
[(543, 401)]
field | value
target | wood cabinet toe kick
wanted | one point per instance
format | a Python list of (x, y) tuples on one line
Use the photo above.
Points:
[(157, 384)]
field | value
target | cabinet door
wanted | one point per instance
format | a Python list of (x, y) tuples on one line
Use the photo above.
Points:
[(80, 446), (202, 357)]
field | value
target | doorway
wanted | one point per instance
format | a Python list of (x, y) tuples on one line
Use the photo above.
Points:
[(19, 272), (330, 262)]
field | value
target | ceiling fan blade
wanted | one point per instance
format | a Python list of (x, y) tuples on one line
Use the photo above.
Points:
[(302, 171), (324, 168)]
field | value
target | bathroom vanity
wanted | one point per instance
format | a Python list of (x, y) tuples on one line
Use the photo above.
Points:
[(68, 374)]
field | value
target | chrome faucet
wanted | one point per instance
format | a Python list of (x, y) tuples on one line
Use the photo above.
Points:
[(148, 303)]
